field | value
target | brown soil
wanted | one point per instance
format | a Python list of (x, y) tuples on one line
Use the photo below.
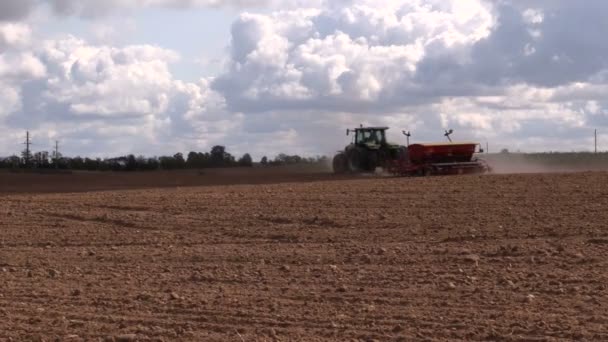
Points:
[(502, 257), (51, 181)]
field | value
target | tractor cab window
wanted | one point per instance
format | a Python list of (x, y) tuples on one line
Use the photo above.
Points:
[(380, 138), (370, 137), (360, 139)]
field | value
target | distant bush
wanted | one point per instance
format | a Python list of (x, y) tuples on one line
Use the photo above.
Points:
[(284, 159), (217, 157)]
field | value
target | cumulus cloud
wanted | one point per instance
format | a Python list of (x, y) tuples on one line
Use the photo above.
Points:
[(495, 69), (105, 99), (106, 81), (546, 47), (343, 56), (14, 35)]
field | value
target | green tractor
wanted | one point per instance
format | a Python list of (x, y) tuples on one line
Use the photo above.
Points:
[(368, 151)]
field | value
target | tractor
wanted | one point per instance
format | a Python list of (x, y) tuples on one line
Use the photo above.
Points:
[(368, 151)]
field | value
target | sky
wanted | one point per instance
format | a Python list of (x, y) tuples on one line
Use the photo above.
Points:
[(156, 77)]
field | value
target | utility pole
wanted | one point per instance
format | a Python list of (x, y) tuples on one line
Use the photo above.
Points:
[(595, 138), (28, 153), (56, 154)]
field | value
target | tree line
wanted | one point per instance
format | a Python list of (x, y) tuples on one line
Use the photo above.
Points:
[(217, 157)]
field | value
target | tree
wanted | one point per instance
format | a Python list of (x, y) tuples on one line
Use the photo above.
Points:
[(193, 160), (90, 164), (220, 158), (26, 156), (131, 163), (153, 164), (10, 162), (180, 162), (246, 160), (167, 163), (264, 161), (217, 156), (198, 160), (284, 159), (76, 163), (41, 159)]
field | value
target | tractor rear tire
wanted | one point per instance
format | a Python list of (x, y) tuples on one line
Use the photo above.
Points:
[(424, 172), (361, 160), (353, 161), (340, 164), (372, 161)]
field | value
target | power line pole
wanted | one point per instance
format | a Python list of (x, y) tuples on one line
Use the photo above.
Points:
[(28, 153), (595, 136), (56, 154)]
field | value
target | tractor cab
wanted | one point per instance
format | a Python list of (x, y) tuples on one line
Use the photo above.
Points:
[(371, 137)]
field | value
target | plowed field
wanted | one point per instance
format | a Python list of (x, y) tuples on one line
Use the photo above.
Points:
[(500, 257)]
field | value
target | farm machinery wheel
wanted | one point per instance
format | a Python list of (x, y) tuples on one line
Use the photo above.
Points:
[(340, 164), (361, 160), (425, 172)]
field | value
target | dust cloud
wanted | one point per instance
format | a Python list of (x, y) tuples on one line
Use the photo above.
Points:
[(545, 163)]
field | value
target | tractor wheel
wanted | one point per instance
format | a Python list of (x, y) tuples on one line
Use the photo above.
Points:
[(360, 160), (340, 164), (353, 161), (372, 161), (424, 172)]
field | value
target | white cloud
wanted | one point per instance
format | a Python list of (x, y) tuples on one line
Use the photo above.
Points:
[(100, 80), (342, 56), (533, 16), (20, 66), (9, 98), (105, 99), (14, 35), (522, 74)]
